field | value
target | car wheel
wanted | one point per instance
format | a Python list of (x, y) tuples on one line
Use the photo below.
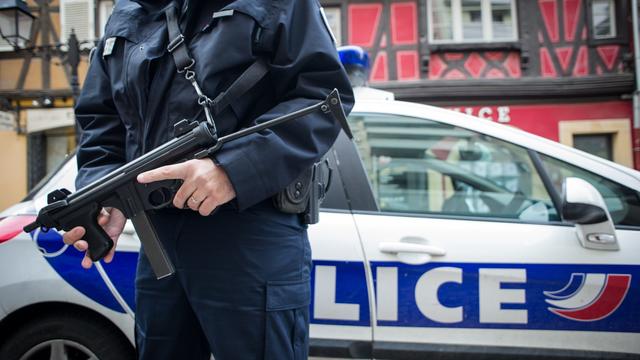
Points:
[(67, 337)]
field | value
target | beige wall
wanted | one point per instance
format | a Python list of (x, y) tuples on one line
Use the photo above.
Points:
[(13, 165)]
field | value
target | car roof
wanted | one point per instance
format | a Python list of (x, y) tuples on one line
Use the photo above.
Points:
[(597, 165)]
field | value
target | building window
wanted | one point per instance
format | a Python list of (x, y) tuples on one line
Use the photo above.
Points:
[(78, 15), (608, 138), (470, 21), (603, 19), (596, 144), (105, 8), (4, 45)]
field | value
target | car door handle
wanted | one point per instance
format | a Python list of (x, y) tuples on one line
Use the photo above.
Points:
[(403, 247)]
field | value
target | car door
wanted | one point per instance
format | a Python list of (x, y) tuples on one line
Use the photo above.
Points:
[(467, 252)]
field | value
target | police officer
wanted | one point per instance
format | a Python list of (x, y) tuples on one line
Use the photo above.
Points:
[(241, 288)]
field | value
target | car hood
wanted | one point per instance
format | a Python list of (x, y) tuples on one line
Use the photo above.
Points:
[(23, 208)]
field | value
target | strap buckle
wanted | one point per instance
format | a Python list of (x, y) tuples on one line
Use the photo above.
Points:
[(173, 44)]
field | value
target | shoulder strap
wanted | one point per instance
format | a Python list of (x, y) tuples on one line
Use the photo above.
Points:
[(254, 73), (177, 46), (184, 64)]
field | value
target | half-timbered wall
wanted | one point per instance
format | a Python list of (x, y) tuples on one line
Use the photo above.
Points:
[(554, 41), (26, 75), (389, 31), (566, 46)]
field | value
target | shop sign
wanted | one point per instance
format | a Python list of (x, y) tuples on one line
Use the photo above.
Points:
[(501, 114), (544, 119), (45, 119)]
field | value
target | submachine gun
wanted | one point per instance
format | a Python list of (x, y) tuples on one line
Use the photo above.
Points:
[(121, 190)]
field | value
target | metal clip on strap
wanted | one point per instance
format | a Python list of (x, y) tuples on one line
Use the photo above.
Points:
[(203, 100), (173, 44), (184, 62)]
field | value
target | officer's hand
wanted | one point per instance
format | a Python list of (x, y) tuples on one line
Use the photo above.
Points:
[(112, 221), (206, 185)]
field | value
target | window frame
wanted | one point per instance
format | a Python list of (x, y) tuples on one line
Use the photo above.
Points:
[(620, 11), (620, 129), (487, 24), (65, 28), (613, 26)]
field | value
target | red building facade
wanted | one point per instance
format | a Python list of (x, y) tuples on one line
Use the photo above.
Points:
[(562, 69)]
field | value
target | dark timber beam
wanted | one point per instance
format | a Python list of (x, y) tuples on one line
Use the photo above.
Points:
[(511, 89)]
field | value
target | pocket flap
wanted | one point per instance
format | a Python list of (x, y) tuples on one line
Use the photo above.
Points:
[(283, 295)]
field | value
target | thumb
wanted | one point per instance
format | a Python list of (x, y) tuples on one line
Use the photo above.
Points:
[(103, 217)]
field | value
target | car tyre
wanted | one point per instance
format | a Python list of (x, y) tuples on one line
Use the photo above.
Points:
[(68, 337)]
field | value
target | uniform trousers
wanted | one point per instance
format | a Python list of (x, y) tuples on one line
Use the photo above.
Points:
[(241, 288)]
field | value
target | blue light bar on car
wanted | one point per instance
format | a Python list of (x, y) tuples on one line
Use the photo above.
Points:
[(356, 61), (354, 55)]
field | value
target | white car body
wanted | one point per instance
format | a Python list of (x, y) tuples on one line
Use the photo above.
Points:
[(376, 293)]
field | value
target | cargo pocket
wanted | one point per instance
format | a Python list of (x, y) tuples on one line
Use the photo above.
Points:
[(287, 319)]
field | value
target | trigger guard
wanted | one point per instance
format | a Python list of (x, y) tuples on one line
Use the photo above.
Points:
[(160, 194)]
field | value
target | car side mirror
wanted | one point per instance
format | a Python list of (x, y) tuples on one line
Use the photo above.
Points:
[(584, 206)]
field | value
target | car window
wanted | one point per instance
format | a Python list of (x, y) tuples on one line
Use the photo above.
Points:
[(623, 203), (421, 166)]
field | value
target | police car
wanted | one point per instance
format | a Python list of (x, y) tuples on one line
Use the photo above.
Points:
[(442, 235)]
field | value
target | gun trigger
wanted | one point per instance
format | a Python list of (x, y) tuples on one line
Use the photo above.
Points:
[(57, 195), (184, 126)]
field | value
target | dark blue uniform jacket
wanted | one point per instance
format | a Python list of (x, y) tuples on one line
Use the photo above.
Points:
[(132, 95)]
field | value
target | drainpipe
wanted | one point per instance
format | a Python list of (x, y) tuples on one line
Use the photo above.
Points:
[(636, 58), (636, 92)]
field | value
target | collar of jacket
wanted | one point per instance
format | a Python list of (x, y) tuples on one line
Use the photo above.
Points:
[(129, 17)]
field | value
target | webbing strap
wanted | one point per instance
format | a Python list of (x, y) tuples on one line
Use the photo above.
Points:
[(184, 64), (177, 46), (254, 73)]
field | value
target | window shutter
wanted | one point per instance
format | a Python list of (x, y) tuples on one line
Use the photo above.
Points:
[(105, 8), (78, 15)]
